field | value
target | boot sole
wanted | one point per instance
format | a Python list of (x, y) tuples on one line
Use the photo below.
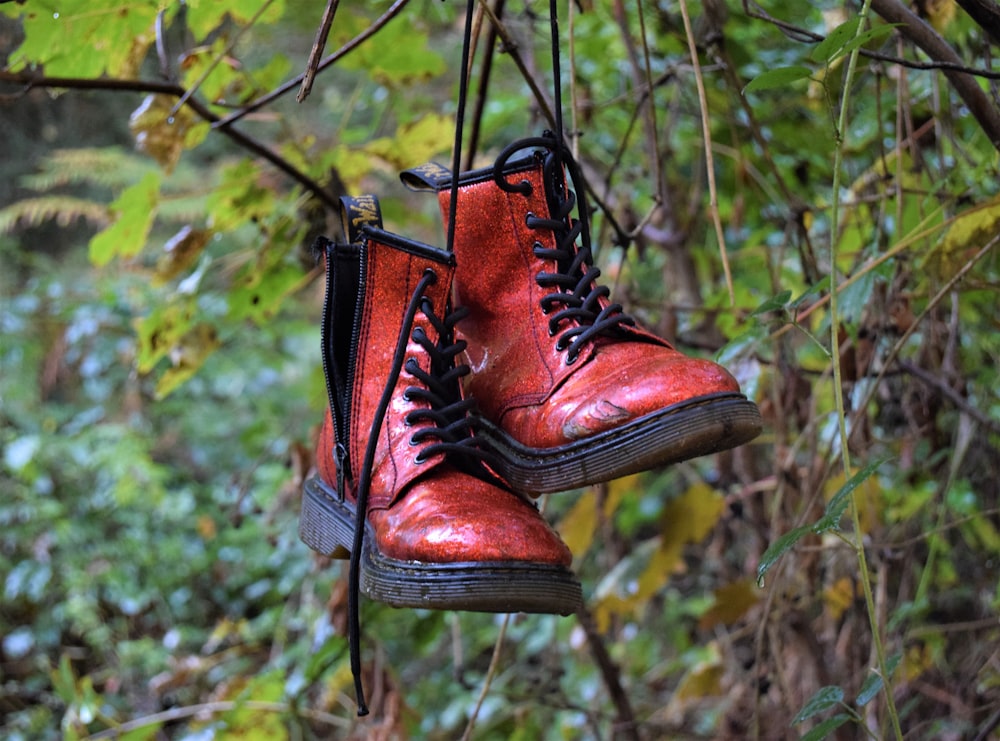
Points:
[(694, 428), (327, 526)]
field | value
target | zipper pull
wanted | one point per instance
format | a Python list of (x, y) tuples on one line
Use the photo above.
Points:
[(340, 458)]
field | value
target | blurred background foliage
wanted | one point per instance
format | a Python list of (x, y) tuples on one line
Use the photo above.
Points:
[(161, 381)]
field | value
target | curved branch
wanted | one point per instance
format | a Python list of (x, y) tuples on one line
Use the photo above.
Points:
[(925, 37), (31, 80), (805, 36)]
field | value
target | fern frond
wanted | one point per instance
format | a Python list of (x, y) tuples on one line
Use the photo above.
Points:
[(105, 166), (61, 209)]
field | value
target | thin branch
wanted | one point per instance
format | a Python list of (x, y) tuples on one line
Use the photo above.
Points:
[(31, 80), (491, 672), (223, 706), (489, 49), (316, 53), (219, 57), (512, 50), (935, 382), (706, 130), (921, 34), (293, 83), (625, 723)]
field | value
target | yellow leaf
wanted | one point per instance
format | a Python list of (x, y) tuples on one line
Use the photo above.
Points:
[(206, 527), (703, 680), (968, 233), (732, 601), (692, 515), (164, 135), (867, 496), (187, 357), (618, 490), (414, 142), (839, 596), (918, 659), (577, 526), (180, 252)]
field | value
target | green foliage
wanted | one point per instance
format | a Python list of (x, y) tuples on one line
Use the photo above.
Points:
[(159, 399)]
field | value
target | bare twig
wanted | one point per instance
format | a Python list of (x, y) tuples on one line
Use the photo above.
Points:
[(625, 723), (488, 679), (706, 129), (31, 79), (219, 57), (986, 14), (223, 706), (483, 87), (512, 49), (939, 384), (316, 53), (347, 48)]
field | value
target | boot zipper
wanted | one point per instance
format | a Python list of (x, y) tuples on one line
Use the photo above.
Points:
[(340, 399), (342, 427)]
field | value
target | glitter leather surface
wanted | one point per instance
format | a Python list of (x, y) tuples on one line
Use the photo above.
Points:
[(428, 511), (520, 379)]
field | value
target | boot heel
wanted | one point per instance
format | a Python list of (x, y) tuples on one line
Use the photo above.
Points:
[(321, 526)]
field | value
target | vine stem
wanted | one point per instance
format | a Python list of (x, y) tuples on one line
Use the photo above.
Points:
[(706, 131), (838, 389)]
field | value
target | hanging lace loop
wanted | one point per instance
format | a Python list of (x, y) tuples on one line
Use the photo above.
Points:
[(364, 485), (463, 94)]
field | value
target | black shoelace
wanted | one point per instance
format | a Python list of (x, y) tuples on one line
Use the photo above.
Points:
[(574, 308), (451, 430)]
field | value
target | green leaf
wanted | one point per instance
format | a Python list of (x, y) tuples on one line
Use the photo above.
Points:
[(87, 38), (399, 56), (830, 47), (778, 548), (775, 303), (136, 209), (823, 729), (824, 699), (875, 681), (839, 502), (872, 34), (776, 78)]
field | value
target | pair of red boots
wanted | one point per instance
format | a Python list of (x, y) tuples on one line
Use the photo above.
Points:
[(464, 383)]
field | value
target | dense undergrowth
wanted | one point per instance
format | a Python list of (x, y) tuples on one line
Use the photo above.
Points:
[(161, 381)]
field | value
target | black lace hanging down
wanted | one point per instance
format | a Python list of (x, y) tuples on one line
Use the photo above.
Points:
[(577, 298), (364, 487)]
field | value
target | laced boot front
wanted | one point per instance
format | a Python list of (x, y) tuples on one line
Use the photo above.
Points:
[(571, 389), (403, 486)]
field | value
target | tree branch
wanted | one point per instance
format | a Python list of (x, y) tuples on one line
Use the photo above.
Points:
[(31, 79), (805, 36), (925, 37), (986, 14)]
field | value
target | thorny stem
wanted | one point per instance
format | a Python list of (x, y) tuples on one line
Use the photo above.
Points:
[(859, 547)]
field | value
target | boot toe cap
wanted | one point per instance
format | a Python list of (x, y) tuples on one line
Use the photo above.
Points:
[(619, 384), (455, 518)]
